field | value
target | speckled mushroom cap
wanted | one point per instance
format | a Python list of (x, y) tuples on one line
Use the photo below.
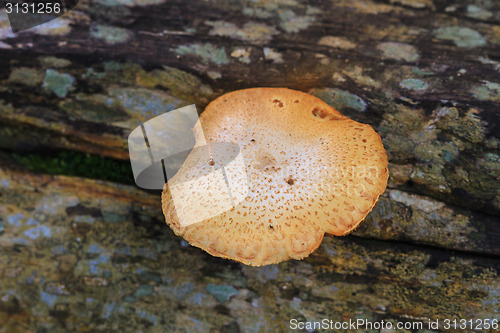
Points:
[(310, 171)]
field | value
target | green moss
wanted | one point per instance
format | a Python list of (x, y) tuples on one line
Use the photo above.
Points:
[(73, 163)]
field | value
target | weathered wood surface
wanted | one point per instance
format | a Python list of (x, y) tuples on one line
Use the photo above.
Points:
[(95, 256), (84, 255)]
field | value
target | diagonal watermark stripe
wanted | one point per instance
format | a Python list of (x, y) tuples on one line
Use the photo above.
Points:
[(27, 14), (213, 177)]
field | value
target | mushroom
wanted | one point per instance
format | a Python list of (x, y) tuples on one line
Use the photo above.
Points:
[(309, 171)]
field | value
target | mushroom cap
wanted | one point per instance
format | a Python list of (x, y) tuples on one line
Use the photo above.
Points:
[(310, 171)]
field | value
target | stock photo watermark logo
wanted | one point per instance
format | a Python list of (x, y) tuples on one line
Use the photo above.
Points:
[(27, 14), (217, 180), (346, 180)]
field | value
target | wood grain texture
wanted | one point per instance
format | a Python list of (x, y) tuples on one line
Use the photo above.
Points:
[(423, 73)]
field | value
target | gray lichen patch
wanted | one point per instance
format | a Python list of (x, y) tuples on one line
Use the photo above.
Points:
[(399, 51), (257, 12), (110, 34), (485, 60), (28, 76), (293, 16), (477, 12), (337, 42), (59, 84), (53, 62), (273, 55), (207, 52), (461, 36), (357, 74), (250, 31), (242, 55), (488, 91), (292, 23)]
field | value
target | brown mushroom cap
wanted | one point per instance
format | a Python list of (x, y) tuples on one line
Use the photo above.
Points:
[(310, 171)]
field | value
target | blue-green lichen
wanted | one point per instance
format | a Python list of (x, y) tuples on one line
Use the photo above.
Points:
[(109, 34), (413, 84), (340, 99), (461, 36), (222, 292), (59, 84), (419, 71), (207, 52)]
